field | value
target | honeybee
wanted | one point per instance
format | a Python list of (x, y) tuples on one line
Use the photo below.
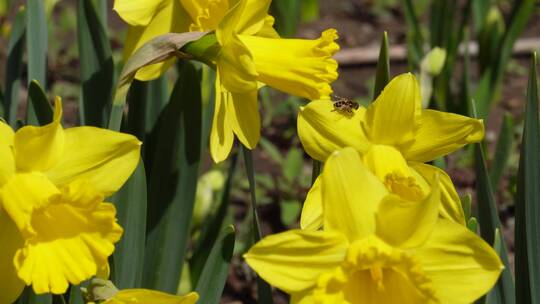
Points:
[(344, 105)]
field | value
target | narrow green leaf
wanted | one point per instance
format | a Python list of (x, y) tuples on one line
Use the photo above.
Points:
[(290, 210), (38, 98), (97, 66), (212, 227), (495, 296), (29, 297), (503, 150), (130, 202), (271, 150), (2, 101), (173, 183), (214, 275), (14, 66), (264, 292), (527, 231), (382, 75), (415, 40), (309, 10), (208, 78), (466, 204), (287, 14), (36, 41), (75, 295), (157, 97), (489, 222)]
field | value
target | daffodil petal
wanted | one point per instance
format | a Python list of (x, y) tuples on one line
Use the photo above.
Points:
[(394, 116), (407, 224), (139, 12), (221, 135), (305, 297), (7, 163), (73, 236), (11, 241), (172, 18), (236, 68), (39, 148), (450, 207), (322, 130), (293, 260), (268, 30), (441, 133), (23, 194), (460, 264), (307, 68), (206, 14), (105, 158), (244, 117), (246, 17), (350, 195), (135, 296), (383, 160), (312, 211)]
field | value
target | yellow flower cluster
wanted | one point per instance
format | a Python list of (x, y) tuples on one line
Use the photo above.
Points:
[(378, 226)]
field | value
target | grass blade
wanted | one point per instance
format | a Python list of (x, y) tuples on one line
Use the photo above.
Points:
[(502, 150), (130, 202), (173, 183), (97, 66), (14, 66), (211, 229), (38, 98), (36, 41), (488, 219), (214, 275), (382, 75), (415, 40), (527, 230), (264, 292)]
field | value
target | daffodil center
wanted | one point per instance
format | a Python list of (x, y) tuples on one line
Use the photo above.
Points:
[(404, 186), (375, 272)]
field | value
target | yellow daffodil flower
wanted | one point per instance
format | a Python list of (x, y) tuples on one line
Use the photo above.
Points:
[(148, 19), (393, 127), (246, 59), (52, 184), (376, 247), (135, 296)]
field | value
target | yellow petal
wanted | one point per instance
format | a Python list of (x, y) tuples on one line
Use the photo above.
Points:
[(236, 68), (302, 298), (307, 68), (139, 12), (221, 136), (244, 117), (11, 286), (73, 236), (23, 194), (39, 148), (407, 224), (172, 18), (394, 116), (268, 30), (383, 160), (7, 163), (312, 212), (441, 133), (322, 130), (246, 17), (293, 260), (350, 195), (206, 14), (450, 207), (460, 264), (105, 158), (136, 296)]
